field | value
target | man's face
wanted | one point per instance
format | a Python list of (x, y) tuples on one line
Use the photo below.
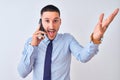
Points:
[(51, 22)]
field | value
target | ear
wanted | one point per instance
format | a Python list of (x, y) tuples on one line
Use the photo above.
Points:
[(60, 21)]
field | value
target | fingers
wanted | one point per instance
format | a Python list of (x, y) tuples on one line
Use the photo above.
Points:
[(39, 34), (110, 18), (114, 14), (40, 37), (99, 24), (100, 21), (101, 18)]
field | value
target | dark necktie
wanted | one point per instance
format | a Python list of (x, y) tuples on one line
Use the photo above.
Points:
[(47, 65)]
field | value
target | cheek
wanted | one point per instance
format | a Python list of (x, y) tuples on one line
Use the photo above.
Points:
[(58, 28), (45, 26)]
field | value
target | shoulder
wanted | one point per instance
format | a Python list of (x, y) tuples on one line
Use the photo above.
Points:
[(67, 36)]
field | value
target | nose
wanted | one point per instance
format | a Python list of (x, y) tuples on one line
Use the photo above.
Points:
[(51, 25)]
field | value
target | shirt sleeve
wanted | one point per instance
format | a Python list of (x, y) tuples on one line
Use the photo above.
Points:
[(28, 57), (81, 53)]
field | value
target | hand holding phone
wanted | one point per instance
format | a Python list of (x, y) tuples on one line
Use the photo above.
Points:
[(38, 35), (41, 28)]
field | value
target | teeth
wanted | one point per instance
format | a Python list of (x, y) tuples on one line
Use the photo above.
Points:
[(51, 30)]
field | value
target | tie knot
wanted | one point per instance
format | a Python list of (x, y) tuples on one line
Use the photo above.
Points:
[(51, 41)]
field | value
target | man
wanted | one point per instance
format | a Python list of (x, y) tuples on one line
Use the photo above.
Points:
[(63, 45)]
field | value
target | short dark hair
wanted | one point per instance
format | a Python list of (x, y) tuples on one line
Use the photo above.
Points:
[(51, 8)]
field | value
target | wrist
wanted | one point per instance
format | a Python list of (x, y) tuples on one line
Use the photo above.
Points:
[(33, 43), (95, 41)]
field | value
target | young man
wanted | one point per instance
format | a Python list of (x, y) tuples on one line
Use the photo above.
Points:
[(62, 46)]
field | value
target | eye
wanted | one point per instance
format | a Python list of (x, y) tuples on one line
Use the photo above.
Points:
[(56, 20), (47, 21)]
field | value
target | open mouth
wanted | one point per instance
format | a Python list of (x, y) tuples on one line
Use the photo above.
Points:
[(51, 32)]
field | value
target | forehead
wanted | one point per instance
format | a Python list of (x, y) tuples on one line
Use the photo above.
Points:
[(50, 15)]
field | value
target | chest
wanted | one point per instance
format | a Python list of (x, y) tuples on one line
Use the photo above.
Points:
[(59, 53)]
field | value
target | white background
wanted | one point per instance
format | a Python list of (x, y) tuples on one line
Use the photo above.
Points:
[(19, 19)]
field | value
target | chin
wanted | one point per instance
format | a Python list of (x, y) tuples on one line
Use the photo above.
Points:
[(50, 38)]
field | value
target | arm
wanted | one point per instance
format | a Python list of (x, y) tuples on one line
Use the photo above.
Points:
[(29, 53), (27, 60), (83, 54)]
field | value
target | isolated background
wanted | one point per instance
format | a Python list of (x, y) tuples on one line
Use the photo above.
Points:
[(19, 19)]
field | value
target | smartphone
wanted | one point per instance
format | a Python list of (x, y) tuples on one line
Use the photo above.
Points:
[(41, 26)]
